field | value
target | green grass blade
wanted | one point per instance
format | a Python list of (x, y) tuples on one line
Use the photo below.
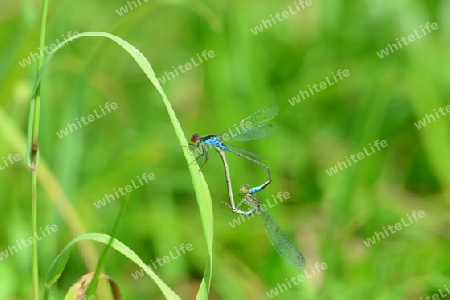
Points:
[(59, 263)]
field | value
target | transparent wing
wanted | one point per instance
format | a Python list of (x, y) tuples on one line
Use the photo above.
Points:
[(281, 242), (240, 150), (259, 127), (262, 116), (256, 133)]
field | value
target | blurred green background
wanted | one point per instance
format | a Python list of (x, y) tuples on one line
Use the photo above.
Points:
[(328, 217)]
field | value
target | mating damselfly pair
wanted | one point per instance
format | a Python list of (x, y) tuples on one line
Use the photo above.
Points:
[(256, 126)]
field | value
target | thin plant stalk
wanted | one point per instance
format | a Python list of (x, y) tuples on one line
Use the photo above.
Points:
[(33, 146)]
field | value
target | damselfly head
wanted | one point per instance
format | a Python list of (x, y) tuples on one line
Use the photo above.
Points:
[(244, 189), (195, 138)]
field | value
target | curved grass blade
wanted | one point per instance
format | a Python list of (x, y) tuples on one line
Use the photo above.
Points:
[(59, 263), (198, 180)]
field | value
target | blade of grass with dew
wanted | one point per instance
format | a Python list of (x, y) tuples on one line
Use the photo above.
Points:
[(200, 185), (59, 263)]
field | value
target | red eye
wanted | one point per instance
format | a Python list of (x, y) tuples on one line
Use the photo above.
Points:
[(195, 138)]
